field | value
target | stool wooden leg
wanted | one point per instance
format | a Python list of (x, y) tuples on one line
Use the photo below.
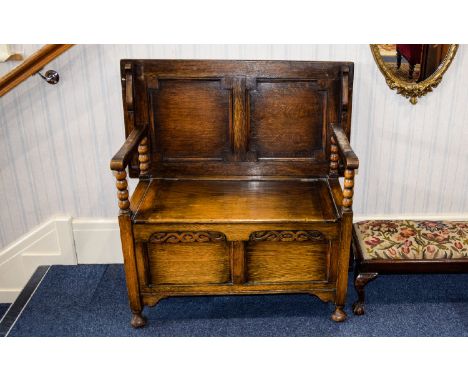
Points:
[(360, 281)]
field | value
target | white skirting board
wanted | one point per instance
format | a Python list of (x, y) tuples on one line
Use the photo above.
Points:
[(97, 241), (50, 243), (60, 240), (63, 240)]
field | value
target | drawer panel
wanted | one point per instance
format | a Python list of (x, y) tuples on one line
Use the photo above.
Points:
[(194, 259), (273, 262)]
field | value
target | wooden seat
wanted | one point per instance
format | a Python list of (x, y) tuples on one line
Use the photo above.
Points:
[(236, 201), (238, 165)]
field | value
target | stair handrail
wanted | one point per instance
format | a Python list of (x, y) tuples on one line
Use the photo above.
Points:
[(31, 66)]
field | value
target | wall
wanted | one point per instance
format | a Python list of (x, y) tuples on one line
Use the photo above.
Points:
[(56, 141)]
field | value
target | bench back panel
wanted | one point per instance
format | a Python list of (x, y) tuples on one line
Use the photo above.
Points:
[(211, 118)]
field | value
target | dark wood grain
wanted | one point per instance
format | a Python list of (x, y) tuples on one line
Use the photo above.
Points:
[(191, 119), (239, 134), (268, 262), (189, 263), (131, 274), (288, 120), (252, 118), (238, 165), (226, 201), (343, 261)]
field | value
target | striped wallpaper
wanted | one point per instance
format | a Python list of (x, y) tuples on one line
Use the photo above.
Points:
[(56, 141)]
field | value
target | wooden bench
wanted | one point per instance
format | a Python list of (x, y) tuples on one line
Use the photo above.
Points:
[(238, 165), (406, 246)]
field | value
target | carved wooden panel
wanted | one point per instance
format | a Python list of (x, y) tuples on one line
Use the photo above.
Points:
[(289, 261), (185, 262), (191, 119), (236, 118), (187, 237), (288, 120), (287, 236)]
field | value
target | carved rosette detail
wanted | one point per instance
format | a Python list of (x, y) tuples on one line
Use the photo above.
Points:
[(287, 236), (187, 237)]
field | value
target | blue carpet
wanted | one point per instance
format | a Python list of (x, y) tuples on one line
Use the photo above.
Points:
[(91, 300), (3, 309)]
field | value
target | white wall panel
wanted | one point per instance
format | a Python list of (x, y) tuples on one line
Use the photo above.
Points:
[(56, 141)]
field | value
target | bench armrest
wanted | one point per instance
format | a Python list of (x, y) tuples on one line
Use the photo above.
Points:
[(350, 159), (120, 160)]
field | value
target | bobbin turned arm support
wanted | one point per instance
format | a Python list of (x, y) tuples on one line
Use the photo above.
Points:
[(137, 139), (340, 148)]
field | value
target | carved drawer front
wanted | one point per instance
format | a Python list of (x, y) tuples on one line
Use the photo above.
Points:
[(287, 256), (188, 258)]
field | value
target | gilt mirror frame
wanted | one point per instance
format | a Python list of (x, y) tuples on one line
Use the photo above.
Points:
[(412, 90)]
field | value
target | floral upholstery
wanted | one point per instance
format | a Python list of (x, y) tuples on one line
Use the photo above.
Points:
[(412, 240)]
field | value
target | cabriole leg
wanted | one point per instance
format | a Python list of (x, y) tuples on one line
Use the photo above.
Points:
[(360, 281)]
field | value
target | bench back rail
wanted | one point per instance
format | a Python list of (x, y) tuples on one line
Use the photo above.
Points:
[(211, 118)]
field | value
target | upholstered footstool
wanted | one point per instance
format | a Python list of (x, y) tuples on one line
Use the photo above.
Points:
[(406, 246)]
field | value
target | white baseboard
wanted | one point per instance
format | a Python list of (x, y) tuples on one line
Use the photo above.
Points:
[(64, 240), (50, 243), (97, 241)]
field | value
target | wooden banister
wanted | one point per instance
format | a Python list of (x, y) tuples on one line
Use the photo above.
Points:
[(31, 66)]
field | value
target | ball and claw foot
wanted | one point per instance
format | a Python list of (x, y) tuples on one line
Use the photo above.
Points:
[(338, 315), (358, 308), (138, 321)]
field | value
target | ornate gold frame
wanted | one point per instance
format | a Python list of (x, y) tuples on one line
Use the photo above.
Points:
[(412, 90)]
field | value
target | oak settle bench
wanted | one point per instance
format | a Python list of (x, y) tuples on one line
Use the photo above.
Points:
[(238, 165), (406, 246)]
